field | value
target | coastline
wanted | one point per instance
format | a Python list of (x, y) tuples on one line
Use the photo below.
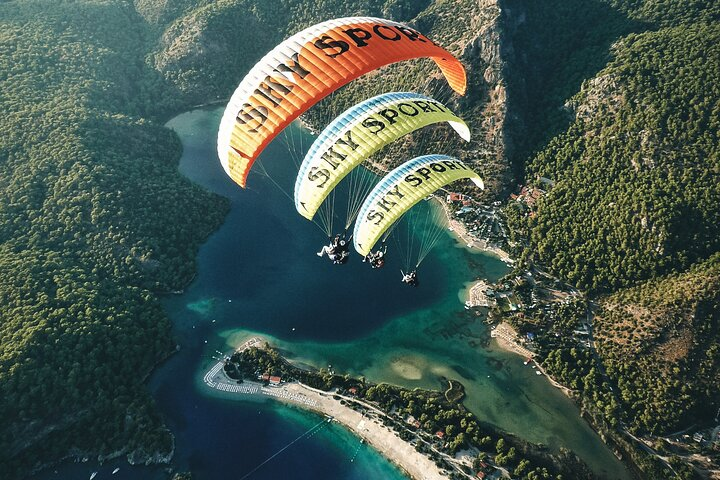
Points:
[(506, 339), (366, 425), (461, 233), (505, 336), (401, 453), (474, 294)]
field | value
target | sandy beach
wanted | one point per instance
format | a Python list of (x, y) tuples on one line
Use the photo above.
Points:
[(367, 426), (475, 294), (461, 232), (507, 339)]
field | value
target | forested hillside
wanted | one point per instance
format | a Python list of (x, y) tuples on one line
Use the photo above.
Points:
[(655, 337), (205, 53), (94, 222), (637, 172), (617, 104)]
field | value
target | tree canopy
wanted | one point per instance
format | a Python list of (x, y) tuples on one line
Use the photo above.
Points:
[(95, 221)]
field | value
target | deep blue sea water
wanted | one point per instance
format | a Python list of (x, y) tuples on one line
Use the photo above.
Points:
[(259, 274)]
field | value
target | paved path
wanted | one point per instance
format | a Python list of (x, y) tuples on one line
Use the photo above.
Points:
[(216, 379)]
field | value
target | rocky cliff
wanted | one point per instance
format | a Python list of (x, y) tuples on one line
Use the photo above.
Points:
[(205, 55)]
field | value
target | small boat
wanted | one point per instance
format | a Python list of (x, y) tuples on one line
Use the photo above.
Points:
[(116, 470), (537, 372), (93, 475)]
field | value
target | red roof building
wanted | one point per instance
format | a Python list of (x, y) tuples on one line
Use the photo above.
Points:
[(352, 390), (440, 434), (533, 196), (275, 380)]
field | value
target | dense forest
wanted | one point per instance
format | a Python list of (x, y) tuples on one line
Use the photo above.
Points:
[(654, 338), (95, 221), (637, 191), (636, 170), (618, 117)]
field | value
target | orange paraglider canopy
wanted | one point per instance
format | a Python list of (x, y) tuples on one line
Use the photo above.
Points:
[(307, 67)]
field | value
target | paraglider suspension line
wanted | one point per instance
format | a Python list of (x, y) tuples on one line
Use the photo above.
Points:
[(309, 432)]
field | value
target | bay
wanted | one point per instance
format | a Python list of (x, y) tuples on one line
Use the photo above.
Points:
[(259, 275), (360, 321)]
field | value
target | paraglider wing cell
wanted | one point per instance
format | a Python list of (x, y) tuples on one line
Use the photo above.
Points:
[(358, 133), (308, 66), (400, 190)]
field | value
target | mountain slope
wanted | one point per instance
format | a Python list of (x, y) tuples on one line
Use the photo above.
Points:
[(94, 220), (655, 337), (637, 171)]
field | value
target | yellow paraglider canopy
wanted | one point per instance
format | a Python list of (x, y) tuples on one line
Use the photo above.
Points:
[(400, 190), (359, 132)]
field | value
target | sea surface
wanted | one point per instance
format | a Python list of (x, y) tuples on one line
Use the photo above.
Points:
[(259, 275)]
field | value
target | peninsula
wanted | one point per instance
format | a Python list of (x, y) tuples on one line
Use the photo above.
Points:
[(428, 434)]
